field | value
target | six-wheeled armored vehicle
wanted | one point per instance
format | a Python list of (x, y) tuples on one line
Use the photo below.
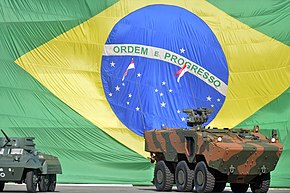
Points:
[(207, 158), (20, 162)]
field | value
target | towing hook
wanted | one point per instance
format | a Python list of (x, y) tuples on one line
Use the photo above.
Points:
[(232, 169), (263, 169)]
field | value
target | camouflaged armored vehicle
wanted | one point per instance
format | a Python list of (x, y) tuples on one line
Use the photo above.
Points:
[(209, 158), (21, 163)]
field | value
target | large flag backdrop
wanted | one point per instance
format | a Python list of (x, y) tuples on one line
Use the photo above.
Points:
[(87, 78)]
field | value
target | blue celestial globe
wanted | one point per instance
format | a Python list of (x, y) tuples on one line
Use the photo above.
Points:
[(159, 60)]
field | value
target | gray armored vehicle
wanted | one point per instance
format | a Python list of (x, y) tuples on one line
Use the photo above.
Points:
[(20, 162)]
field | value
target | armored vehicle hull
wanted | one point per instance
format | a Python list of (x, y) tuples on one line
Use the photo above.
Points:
[(209, 158), (21, 163)]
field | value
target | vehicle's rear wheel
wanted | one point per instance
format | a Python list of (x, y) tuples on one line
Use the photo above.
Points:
[(31, 181), (2, 185), (262, 184), (163, 176), (43, 183), (203, 180), (183, 177), (219, 186), (52, 182), (239, 188)]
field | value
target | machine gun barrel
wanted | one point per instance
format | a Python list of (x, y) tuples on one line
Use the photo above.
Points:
[(7, 138), (196, 117)]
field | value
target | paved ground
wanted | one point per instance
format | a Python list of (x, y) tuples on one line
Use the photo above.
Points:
[(109, 189)]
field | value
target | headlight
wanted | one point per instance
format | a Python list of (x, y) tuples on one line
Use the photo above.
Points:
[(219, 139), (16, 151), (273, 140)]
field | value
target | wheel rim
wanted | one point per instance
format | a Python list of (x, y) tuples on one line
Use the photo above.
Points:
[(200, 178), (159, 177), (34, 181), (180, 177), (46, 182)]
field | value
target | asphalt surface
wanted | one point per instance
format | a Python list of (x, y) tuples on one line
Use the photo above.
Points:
[(64, 188)]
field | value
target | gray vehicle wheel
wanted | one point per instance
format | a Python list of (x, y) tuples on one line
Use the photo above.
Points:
[(262, 184), (2, 185), (203, 180), (163, 177), (219, 186), (43, 183), (183, 177), (239, 188), (52, 182), (31, 181)]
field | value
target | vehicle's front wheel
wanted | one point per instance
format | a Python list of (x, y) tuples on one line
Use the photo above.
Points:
[(52, 182), (31, 181), (183, 177), (261, 184), (43, 183), (2, 185), (203, 180), (239, 188), (163, 176)]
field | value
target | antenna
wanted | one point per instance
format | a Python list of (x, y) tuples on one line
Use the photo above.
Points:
[(191, 90), (139, 98)]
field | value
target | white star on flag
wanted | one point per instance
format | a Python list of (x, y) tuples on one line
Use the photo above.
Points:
[(128, 102), (156, 90), (182, 119), (218, 100), (161, 94), (163, 83), (117, 88), (182, 50), (163, 104), (181, 72), (139, 74), (212, 105), (131, 66), (130, 95), (110, 94), (137, 108), (123, 84), (170, 90), (208, 98), (178, 111), (112, 64)]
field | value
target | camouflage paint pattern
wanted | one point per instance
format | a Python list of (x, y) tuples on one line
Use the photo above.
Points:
[(241, 155)]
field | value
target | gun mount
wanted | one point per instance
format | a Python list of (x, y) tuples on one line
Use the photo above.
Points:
[(197, 117)]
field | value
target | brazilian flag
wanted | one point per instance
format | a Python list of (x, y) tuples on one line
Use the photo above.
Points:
[(87, 78)]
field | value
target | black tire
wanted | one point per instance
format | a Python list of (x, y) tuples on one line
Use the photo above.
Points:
[(31, 181), (183, 177), (219, 186), (2, 185), (52, 182), (163, 176), (43, 183), (239, 188), (203, 180), (262, 184)]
